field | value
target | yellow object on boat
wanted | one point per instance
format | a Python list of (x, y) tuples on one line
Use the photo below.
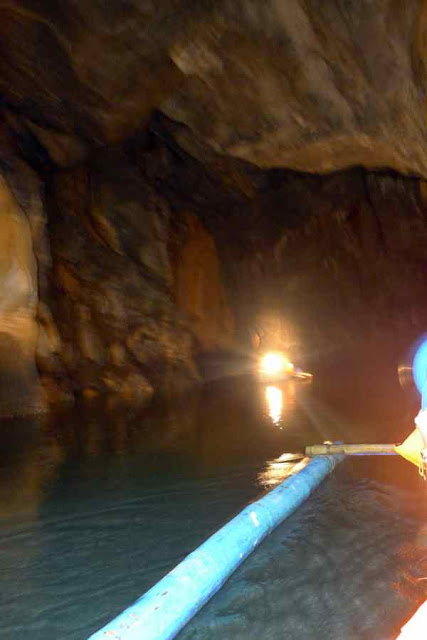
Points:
[(412, 447)]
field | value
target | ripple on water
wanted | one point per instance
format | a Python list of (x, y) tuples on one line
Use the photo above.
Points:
[(85, 529), (334, 570)]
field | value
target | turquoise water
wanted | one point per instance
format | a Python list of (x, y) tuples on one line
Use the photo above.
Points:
[(96, 507)]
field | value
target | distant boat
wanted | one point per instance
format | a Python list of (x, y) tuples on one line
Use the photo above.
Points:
[(274, 366)]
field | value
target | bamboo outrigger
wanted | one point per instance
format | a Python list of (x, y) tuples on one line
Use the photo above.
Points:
[(167, 607)]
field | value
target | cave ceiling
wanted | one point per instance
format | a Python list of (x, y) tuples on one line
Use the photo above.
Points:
[(300, 84)]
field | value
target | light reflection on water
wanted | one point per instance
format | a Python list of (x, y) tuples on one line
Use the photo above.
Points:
[(280, 402), (274, 397), (279, 469)]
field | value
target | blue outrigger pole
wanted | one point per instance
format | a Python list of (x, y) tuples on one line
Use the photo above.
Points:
[(167, 607)]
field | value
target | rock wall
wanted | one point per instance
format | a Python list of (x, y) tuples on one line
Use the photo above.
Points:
[(142, 258), (318, 265), (151, 149), (20, 391), (198, 287), (105, 292), (129, 323)]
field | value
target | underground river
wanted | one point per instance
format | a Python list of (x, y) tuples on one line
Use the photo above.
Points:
[(97, 506)]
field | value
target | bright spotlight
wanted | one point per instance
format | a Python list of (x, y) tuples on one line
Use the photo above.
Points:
[(275, 364)]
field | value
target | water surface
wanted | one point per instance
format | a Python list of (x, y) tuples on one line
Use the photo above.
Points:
[(96, 507)]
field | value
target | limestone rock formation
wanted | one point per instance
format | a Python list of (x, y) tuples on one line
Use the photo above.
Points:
[(335, 262), (151, 209), (20, 390), (198, 286), (299, 84), (98, 282), (111, 283)]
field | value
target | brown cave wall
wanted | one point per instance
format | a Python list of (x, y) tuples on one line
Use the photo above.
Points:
[(147, 258), (198, 287), (188, 236), (23, 262), (134, 295), (19, 386)]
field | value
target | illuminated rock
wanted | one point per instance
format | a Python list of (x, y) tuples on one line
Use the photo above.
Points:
[(20, 391)]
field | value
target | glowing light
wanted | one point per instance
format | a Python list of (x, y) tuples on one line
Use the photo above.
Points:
[(275, 364), (415, 629), (274, 397)]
